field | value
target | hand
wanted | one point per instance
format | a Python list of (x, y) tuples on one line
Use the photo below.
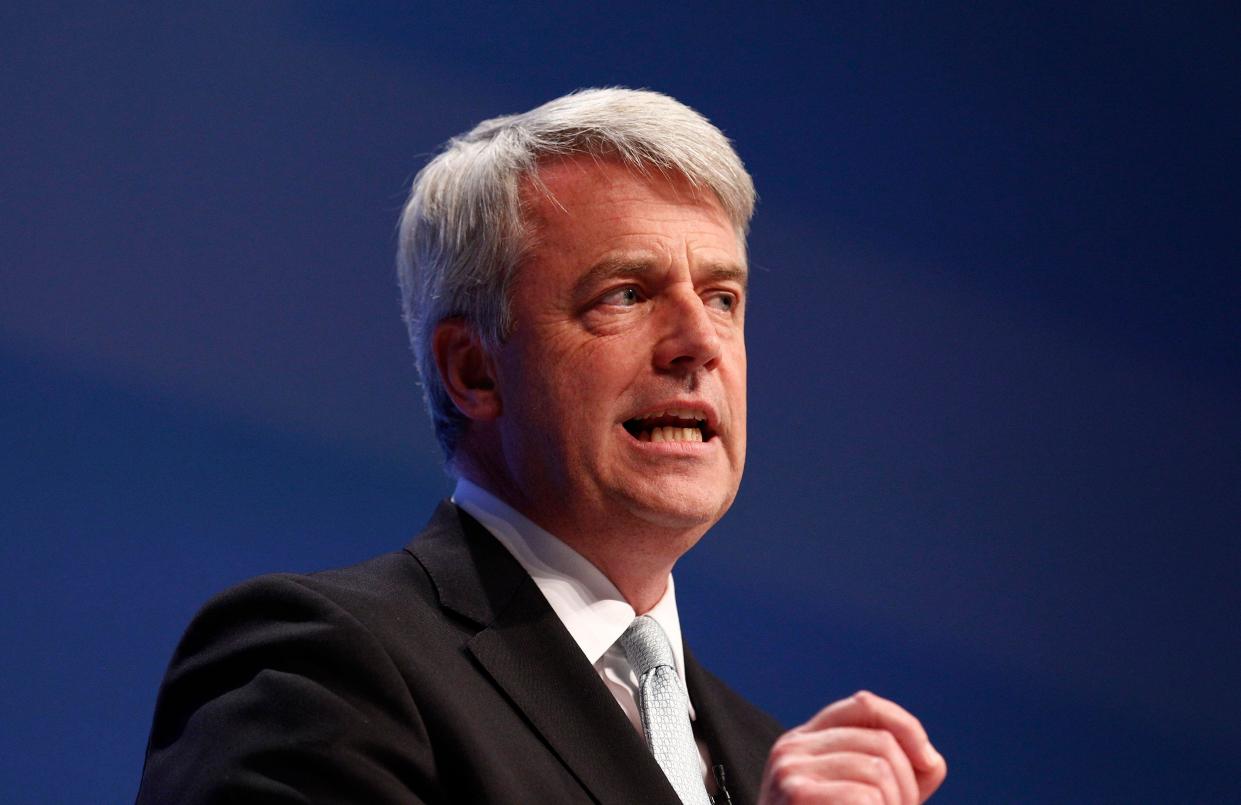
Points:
[(863, 749)]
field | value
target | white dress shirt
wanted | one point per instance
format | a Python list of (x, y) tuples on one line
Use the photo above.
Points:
[(586, 601)]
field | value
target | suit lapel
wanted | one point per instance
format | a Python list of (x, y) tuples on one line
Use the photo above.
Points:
[(737, 734), (532, 658)]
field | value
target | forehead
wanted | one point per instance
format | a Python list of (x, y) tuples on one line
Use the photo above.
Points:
[(586, 201)]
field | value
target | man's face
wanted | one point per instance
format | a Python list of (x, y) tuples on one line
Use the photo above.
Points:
[(622, 386)]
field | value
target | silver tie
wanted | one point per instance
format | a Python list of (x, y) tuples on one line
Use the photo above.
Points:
[(665, 709)]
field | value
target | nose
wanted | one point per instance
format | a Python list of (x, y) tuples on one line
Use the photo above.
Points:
[(689, 339)]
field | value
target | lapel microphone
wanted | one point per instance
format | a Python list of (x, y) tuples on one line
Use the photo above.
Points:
[(721, 795)]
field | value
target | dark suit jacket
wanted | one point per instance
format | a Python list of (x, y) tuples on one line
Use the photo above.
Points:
[(436, 674)]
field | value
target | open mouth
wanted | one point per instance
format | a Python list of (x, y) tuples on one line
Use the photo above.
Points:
[(677, 425)]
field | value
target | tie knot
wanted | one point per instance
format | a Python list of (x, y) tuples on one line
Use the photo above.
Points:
[(646, 645)]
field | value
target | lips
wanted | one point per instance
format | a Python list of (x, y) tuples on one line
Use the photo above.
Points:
[(671, 425)]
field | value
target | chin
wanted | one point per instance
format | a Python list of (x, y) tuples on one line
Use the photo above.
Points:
[(680, 509)]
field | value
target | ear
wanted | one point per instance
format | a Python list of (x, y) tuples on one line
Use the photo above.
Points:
[(466, 369)]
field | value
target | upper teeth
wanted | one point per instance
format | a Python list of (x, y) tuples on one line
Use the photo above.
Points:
[(670, 434), (676, 432), (679, 413)]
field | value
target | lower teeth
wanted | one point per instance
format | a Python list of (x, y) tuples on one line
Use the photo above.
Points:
[(670, 434)]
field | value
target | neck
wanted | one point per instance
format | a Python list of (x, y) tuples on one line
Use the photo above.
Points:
[(636, 556), (642, 579)]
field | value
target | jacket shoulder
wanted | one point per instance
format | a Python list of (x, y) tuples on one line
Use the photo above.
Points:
[(296, 685)]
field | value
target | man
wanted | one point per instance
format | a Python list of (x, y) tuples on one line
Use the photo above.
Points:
[(575, 289)]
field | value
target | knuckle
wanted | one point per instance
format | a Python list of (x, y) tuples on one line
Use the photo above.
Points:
[(795, 788), (783, 770), (863, 795), (869, 706), (781, 752)]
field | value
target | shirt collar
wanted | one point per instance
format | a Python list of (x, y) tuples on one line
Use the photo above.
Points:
[(585, 600)]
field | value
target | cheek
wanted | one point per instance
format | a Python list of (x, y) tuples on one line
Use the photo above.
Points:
[(739, 377), (570, 395), (600, 368), (737, 401)]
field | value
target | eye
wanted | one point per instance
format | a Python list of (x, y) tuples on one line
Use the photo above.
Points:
[(723, 300), (627, 296)]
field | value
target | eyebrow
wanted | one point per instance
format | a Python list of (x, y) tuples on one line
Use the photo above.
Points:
[(614, 267)]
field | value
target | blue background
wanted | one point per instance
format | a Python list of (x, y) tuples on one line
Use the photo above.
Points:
[(995, 447)]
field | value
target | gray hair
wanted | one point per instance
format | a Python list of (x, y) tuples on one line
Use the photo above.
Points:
[(462, 232)]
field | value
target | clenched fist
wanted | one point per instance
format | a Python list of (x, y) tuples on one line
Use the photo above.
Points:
[(863, 749)]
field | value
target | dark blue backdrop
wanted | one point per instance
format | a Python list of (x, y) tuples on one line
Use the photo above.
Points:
[(994, 460)]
